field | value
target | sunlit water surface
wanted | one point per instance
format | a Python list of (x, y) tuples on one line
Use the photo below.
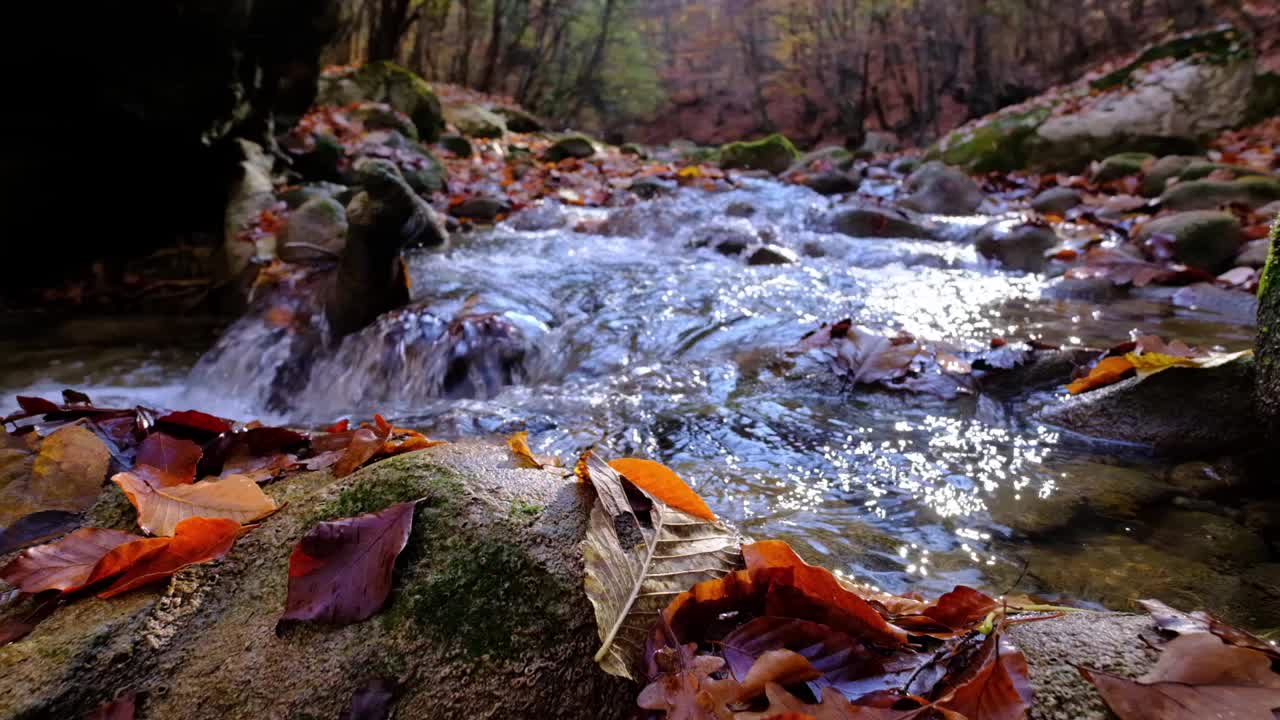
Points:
[(650, 347)]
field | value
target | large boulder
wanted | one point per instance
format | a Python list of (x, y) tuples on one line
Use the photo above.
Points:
[(1018, 246), (937, 188), (1165, 102), (1268, 346), (317, 230), (385, 82), (1204, 239), (1180, 411), (1252, 191), (487, 616), (475, 121), (773, 154)]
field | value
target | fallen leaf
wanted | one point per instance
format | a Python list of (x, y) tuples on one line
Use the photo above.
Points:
[(373, 700), (783, 667), (838, 657), (662, 484), (66, 474), (365, 443), (1196, 677), (994, 686), (1108, 371), (19, 625), (31, 529), (65, 564), (633, 569), (173, 456), (960, 609), (519, 444), (122, 708), (160, 509), (800, 590), (861, 355), (36, 405), (340, 572), (195, 540), (1149, 363), (194, 420), (834, 706)]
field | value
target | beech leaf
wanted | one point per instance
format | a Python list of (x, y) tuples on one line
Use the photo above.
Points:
[(1196, 677), (835, 655), (1108, 371), (160, 509), (365, 443), (65, 564), (173, 456), (994, 686), (661, 483), (340, 572), (635, 566), (519, 444), (784, 667), (834, 706), (195, 540), (194, 420), (31, 529)]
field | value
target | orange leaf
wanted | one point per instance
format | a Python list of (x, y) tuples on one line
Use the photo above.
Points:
[(161, 509), (196, 540), (1111, 370), (365, 443), (65, 564), (663, 484)]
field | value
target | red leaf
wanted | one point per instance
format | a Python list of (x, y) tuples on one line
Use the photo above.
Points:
[(16, 627), (800, 590), (994, 686), (173, 456), (961, 608), (122, 708), (195, 540), (65, 564), (340, 572), (196, 420), (365, 443), (36, 405), (340, 426)]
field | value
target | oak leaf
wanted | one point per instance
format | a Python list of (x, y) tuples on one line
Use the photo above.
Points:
[(160, 509), (340, 572), (63, 565), (634, 568)]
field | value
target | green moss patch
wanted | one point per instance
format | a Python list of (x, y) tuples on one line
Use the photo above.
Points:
[(774, 154), (486, 595), (997, 144), (1219, 46)]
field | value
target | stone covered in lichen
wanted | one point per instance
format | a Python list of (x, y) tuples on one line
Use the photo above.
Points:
[(773, 154)]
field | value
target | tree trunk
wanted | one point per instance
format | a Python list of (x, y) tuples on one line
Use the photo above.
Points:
[(1268, 348)]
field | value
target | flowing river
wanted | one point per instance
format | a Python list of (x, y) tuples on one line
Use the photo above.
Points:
[(650, 346)]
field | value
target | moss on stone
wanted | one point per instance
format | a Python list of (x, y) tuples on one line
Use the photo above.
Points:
[(1218, 46), (774, 154), (1199, 169), (389, 482), (572, 146), (390, 83), (1122, 165), (475, 121), (998, 144), (525, 511), (1254, 191), (482, 593), (1204, 239)]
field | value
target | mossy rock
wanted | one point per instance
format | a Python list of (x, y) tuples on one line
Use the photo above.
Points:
[(773, 154), (323, 161), (1200, 169), (996, 144), (1205, 239), (1163, 170), (1268, 344), (316, 230), (1218, 46), (386, 82), (1264, 98), (475, 121), (381, 116), (572, 146), (457, 145), (1122, 165), (1056, 200), (487, 611), (296, 196), (518, 120), (1252, 191), (633, 149)]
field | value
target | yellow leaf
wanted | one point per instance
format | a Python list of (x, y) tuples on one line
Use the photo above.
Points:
[(692, 171), (66, 474), (663, 484), (519, 444), (1151, 363), (235, 497)]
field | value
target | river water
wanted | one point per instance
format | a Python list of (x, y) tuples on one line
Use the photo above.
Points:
[(650, 347)]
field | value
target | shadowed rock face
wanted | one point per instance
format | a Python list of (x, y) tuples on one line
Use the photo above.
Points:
[(137, 110)]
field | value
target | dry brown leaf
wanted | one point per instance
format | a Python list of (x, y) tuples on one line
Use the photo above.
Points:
[(161, 509), (65, 564), (66, 474)]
